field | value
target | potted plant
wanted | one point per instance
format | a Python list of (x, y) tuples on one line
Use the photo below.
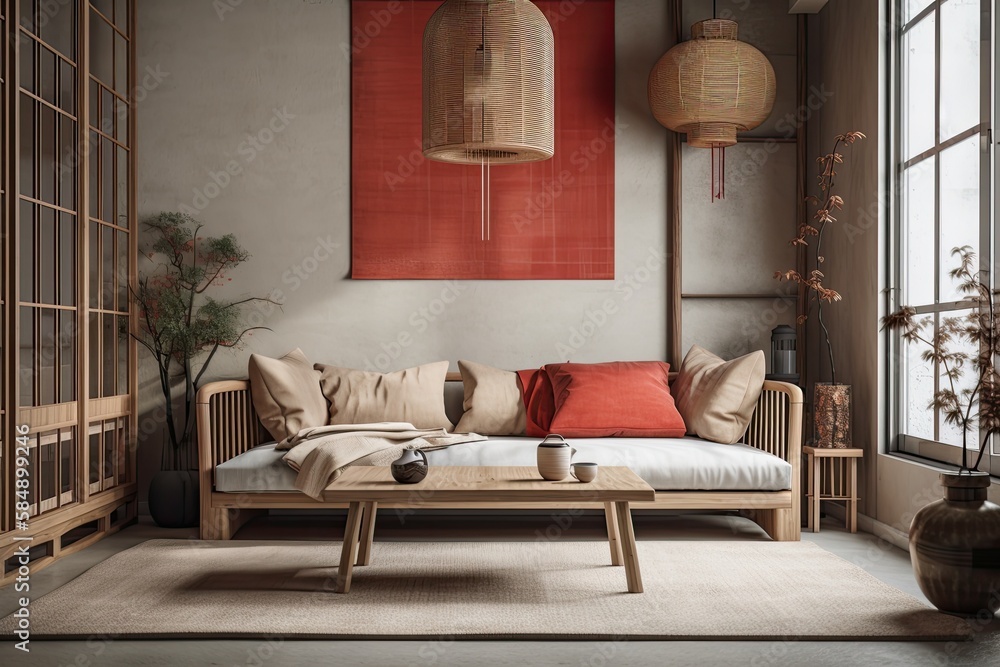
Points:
[(183, 328), (831, 400), (953, 541)]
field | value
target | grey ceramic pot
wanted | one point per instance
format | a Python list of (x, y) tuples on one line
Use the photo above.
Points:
[(410, 468), (955, 547)]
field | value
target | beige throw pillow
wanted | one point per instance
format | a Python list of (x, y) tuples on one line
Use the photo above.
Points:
[(286, 394), (494, 404), (717, 397), (414, 395)]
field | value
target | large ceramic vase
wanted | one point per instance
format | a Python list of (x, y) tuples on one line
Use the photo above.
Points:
[(173, 498), (955, 547), (832, 415)]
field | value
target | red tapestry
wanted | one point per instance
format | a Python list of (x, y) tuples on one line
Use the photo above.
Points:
[(415, 218)]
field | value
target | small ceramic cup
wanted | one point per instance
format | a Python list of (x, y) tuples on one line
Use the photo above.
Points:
[(585, 472)]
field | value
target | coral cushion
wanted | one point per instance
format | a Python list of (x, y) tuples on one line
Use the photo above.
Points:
[(622, 398), (539, 403)]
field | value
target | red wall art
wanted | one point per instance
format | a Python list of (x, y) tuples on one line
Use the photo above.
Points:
[(413, 218)]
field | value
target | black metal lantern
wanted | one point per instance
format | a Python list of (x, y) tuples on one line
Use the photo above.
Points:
[(783, 354)]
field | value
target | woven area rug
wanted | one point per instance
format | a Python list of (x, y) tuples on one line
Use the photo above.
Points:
[(693, 590)]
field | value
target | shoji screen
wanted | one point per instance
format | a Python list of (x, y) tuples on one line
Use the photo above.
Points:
[(68, 258)]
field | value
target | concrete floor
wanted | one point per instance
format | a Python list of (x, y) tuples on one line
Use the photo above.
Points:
[(877, 557)]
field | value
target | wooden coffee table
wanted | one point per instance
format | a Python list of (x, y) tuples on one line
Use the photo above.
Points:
[(364, 487)]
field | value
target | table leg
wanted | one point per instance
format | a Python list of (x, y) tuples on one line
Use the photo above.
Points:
[(629, 554), (814, 502), (613, 537), (350, 544), (852, 504), (367, 533)]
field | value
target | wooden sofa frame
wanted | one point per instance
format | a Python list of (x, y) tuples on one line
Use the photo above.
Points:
[(228, 426)]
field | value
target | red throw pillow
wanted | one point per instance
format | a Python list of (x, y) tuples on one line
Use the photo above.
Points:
[(539, 405), (622, 398)]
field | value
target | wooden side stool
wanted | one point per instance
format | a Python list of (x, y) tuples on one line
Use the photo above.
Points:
[(842, 482)]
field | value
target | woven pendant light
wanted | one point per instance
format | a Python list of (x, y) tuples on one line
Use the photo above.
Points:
[(712, 87), (488, 83)]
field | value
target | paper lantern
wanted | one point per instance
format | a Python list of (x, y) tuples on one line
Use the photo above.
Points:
[(488, 83), (712, 87)]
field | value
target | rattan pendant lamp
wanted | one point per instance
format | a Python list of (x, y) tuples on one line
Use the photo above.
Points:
[(488, 86), (712, 87)]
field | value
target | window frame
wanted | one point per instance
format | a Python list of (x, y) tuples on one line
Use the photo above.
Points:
[(895, 395)]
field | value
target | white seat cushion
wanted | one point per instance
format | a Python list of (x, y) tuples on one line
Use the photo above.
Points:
[(666, 464)]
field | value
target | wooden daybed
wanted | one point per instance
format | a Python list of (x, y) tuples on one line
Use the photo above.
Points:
[(228, 426)]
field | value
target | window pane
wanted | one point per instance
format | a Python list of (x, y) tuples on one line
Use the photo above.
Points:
[(918, 225), (27, 251), (94, 453), (121, 273), (951, 434), (109, 354), (101, 50), (959, 67), (58, 27), (913, 7), (95, 355), (48, 155), (47, 356), (959, 209), (918, 417), (67, 474), (67, 259), (47, 65), (26, 357), (108, 265), (67, 88), (46, 257), (67, 356), (94, 265), (918, 88), (123, 355), (121, 65), (67, 163), (27, 146)]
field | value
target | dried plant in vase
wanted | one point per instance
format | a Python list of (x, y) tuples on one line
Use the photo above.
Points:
[(949, 534), (832, 401)]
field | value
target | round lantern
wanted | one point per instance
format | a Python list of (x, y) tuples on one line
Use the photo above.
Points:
[(712, 86), (488, 83)]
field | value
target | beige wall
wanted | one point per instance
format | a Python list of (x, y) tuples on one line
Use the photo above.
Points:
[(289, 203), (844, 54), (843, 59)]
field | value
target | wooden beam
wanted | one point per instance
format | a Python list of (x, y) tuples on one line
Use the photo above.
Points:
[(674, 286)]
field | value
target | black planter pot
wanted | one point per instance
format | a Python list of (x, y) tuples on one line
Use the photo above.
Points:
[(173, 498)]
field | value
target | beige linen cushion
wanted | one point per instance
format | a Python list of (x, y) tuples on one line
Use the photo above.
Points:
[(414, 395), (286, 394), (717, 397), (494, 403)]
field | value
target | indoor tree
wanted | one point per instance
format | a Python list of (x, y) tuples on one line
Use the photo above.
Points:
[(179, 324)]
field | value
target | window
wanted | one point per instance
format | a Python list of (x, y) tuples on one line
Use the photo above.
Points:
[(943, 73)]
